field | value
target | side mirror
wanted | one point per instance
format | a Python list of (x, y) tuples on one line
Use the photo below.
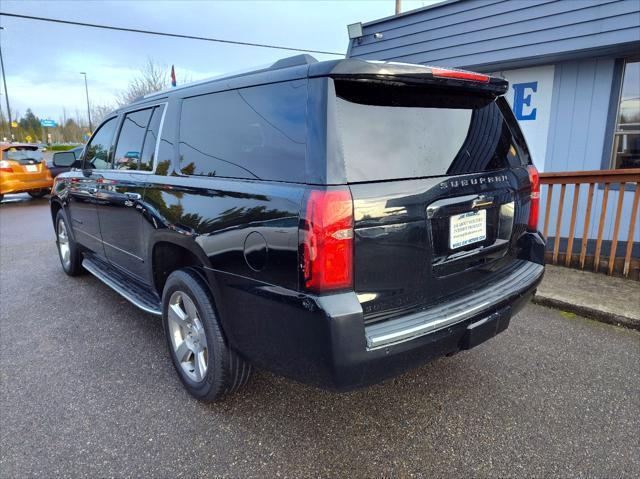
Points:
[(64, 159)]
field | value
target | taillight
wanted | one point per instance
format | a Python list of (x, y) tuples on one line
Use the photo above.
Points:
[(534, 205), (459, 75), (326, 240), (5, 166)]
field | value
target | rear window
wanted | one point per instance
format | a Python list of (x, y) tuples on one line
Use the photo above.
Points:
[(413, 134), (21, 153), (257, 132)]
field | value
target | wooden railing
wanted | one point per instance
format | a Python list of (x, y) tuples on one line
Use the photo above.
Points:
[(625, 179)]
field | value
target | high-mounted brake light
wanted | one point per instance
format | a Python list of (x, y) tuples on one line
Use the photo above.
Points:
[(326, 240), (534, 205), (459, 75)]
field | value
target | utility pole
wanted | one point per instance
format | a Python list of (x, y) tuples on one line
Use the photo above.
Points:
[(86, 90), (398, 7), (6, 95)]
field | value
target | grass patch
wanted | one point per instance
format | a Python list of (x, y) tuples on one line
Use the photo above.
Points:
[(60, 147)]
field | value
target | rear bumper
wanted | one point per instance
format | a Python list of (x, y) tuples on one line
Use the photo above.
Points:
[(371, 365), (323, 340), (8, 186), (387, 333)]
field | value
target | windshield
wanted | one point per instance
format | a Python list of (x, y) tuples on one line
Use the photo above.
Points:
[(17, 154)]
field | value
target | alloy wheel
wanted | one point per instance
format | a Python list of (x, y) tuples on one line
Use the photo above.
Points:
[(188, 338), (63, 244)]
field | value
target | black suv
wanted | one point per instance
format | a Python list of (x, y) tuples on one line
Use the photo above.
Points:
[(335, 222)]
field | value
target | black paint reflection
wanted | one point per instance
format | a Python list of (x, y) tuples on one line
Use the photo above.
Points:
[(220, 220)]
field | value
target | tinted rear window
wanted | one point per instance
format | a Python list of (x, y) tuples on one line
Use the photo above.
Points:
[(421, 134), (18, 153), (256, 132)]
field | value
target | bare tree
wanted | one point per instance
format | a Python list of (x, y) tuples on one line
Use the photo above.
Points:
[(153, 77), (99, 112)]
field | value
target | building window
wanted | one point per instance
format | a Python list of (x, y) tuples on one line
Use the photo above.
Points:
[(626, 137)]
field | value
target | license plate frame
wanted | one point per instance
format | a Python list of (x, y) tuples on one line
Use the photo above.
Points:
[(467, 228)]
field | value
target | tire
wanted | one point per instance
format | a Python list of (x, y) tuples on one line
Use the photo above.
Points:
[(68, 252), (190, 322), (1, 197), (38, 193)]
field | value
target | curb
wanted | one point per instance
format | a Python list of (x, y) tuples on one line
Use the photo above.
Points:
[(587, 312)]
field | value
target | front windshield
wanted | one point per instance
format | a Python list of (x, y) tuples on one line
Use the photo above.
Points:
[(17, 154)]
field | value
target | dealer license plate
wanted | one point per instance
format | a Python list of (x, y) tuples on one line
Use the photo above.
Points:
[(32, 168), (467, 228)]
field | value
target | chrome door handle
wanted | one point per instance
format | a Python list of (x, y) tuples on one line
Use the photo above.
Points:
[(133, 196)]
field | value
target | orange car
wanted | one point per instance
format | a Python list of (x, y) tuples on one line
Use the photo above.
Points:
[(23, 170)]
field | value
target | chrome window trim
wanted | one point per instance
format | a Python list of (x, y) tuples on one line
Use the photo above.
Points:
[(165, 106)]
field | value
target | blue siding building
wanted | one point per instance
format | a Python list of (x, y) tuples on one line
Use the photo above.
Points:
[(574, 73)]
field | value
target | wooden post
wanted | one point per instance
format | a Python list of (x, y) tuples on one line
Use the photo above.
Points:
[(558, 232), (547, 210), (585, 231), (572, 224), (603, 214), (632, 225), (616, 226)]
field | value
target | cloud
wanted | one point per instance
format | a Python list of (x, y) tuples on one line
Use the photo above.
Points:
[(49, 95), (43, 60)]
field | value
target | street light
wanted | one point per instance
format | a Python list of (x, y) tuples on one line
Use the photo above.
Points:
[(86, 89), (6, 95)]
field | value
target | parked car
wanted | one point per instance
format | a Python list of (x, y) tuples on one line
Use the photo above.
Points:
[(62, 161), (23, 170), (334, 222)]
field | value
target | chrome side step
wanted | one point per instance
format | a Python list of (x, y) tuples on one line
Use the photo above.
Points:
[(139, 296), (393, 331)]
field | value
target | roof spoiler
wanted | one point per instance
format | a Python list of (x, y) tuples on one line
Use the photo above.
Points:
[(412, 74)]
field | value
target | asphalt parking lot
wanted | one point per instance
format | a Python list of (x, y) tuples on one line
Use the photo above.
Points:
[(88, 390)]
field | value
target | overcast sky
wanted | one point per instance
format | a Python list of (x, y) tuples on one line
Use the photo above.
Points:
[(43, 60)]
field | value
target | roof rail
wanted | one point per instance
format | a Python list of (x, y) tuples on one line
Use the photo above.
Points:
[(296, 60)]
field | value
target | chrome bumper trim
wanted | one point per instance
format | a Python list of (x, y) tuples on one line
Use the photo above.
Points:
[(393, 331)]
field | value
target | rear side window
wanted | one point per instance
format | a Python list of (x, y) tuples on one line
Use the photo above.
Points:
[(97, 152), (129, 148), (256, 133), (410, 134)]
